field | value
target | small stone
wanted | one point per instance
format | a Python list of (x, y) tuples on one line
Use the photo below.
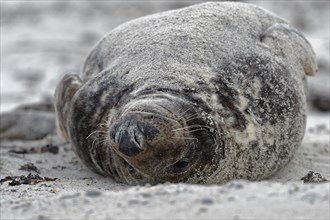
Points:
[(320, 101), (236, 185), (27, 124), (207, 201), (93, 193), (312, 177), (146, 195)]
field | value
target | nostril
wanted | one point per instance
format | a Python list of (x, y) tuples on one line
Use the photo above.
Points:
[(136, 139), (148, 130), (128, 144)]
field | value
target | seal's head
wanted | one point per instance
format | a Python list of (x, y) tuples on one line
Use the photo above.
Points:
[(160, 145)]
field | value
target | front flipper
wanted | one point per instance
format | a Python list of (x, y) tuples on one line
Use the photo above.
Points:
[(287, 42), (64, 93)]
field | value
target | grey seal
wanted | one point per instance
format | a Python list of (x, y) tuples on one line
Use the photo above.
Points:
[(203, 94)]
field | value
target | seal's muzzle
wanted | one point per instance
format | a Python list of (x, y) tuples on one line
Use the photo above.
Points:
[(132, 134)]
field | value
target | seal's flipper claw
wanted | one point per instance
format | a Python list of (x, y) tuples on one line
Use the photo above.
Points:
[(64, 92), (287, 42)]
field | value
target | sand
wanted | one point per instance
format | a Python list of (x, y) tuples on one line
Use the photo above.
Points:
[(55, 37)]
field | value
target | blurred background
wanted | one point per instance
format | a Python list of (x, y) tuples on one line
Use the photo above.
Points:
[(42, 40)]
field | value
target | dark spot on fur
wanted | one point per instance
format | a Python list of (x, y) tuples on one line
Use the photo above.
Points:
[(228, 98), (209, 143), (276, 100)]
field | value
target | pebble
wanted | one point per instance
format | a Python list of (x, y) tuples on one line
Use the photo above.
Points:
[(207, 201), (93, 193), (236, 185)]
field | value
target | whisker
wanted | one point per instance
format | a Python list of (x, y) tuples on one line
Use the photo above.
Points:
[(186, 138), (94, 132), (192, 115), (184, 111), (100, 142), (193, 118), (170, 141), (188, 132), (184, 114), (192, 126), (104, 125), (93, 144)]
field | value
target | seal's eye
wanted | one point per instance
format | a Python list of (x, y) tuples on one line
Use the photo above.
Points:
[(181, 166)]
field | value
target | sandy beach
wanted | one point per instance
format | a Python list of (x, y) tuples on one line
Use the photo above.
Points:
[(43, 179)]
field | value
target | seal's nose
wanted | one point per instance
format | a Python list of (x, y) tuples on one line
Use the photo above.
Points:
[(131, 135), (128, 142)]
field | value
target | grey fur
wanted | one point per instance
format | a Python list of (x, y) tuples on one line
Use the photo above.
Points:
[(234, 70)]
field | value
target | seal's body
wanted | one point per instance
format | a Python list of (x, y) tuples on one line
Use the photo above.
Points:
[(203, 94)]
